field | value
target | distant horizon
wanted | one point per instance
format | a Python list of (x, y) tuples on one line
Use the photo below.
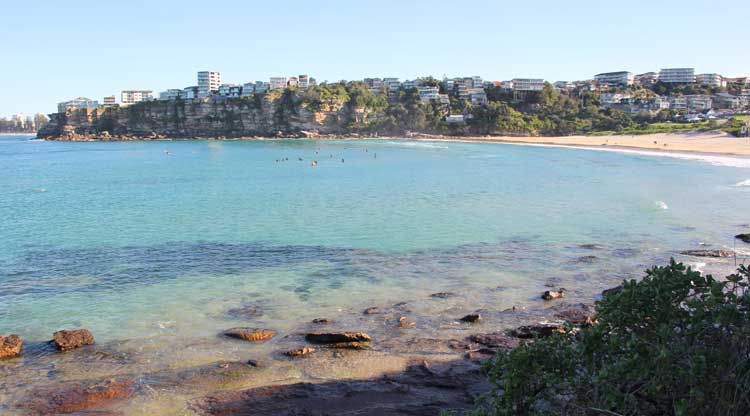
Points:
[(93, 49)]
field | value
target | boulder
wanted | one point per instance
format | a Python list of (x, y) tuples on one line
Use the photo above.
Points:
[(708, 253), (500, 341), (537, 330), (299, 352), (745, 237), (577, 317), (350, 340), (250, 334), (69, 339), (472, 318), (321, 321), (10, 346), (553, 294)]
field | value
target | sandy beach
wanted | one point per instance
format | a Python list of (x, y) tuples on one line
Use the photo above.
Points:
[(699, 142)]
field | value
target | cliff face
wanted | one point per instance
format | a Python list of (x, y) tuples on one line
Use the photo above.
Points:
[(274, 114)]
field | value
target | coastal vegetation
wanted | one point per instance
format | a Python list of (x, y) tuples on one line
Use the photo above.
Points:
[(675, 343)]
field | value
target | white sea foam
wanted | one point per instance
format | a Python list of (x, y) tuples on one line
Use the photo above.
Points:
[(745, 183), (662, 205), (421, 144)]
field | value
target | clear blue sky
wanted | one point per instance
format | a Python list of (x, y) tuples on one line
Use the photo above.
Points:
[(57, 50)]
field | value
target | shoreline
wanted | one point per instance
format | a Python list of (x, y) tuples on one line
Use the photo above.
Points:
[(699, 143)]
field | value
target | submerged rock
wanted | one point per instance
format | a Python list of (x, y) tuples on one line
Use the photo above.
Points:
[(10, 346), (77, 396), (745, 237), (708, 253), (537, 330), (404, 322), (299, 352), (350, 340), (591, 246), (321, 321), (69, 339), (472, 318), (553, 294), (373, 310), (500, 341), (245, 312), (443, 295), (586, 259), (251, 334)]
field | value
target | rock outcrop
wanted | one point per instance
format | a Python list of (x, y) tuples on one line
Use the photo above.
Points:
[(10, 346), (250, 334), (69, 339), (349, 340)]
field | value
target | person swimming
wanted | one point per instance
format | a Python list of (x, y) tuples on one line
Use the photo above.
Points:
[(342, 160), (314, 163)]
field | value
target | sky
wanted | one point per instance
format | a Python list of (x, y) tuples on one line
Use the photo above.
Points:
[(51, 51)]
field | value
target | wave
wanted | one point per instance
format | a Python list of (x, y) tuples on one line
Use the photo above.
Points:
[(421, 144), (662, 205), (745, 183)]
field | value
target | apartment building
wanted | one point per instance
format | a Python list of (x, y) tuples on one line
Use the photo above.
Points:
[(698, 103), (230, 90), (277, 83), (109, 101), (726, 101), (711, 80), (171, 94), (208, 83), (528, 84), (190, 93), (128, 97), (648, 78), (427, 94), (80, 102), (621, 78), (677, 75), (303, 81)]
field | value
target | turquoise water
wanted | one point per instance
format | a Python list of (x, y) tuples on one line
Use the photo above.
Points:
[(156, 240)]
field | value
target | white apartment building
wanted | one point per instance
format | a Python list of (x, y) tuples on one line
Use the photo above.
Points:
[(528, 84), (608, 99), (648, 78), (80, 102), (677, 102), (391, 84), (109, 100), (477, 82), (190, 93), (128, 97), (677, 75), (409, 84), (230, 90), (248, 89), (208, 83), (303, 81), (277, 83), (711, 80), (699, 102), (623, 78), (477, 96), (427, 94)]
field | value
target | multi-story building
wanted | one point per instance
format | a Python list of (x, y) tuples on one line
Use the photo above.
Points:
[(409, 84), (477, 82), (677, 75), (191, 93), (427, 94), (208, 83), (678, 103), (261, 87), (248, 89), (478, 96), (374, 84), (391, 84), (528, 84), (128, 97), (292, 82), (622, 78), (648, 78), (109, 101), (230, 90), (698, 103), (171, 94), (726, 101), (303, 81), (80, 102), (711, 80), (277, 83), (609, 99)]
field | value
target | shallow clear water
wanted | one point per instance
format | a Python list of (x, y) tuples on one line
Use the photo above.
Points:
[(152, 242)]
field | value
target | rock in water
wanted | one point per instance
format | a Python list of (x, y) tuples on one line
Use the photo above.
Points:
[(500, 341), (250, 334), (708, 253), (321, 321), (472, 318), (10, 346), (299, 352), (612, 291), (537, 331), (350, 340), (553, 294), (576, 317), (443, 295), (69, 339), (745, 238), (373, 310), (78, 395)]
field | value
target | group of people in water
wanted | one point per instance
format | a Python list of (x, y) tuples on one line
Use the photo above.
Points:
[(314, 162)]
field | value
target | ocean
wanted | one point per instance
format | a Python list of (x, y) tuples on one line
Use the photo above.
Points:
[(152, 245)]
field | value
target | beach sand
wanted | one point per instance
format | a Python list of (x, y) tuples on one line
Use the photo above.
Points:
[(701, 142)]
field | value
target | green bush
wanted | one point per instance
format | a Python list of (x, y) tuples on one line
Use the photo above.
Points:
[(675, 343)]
